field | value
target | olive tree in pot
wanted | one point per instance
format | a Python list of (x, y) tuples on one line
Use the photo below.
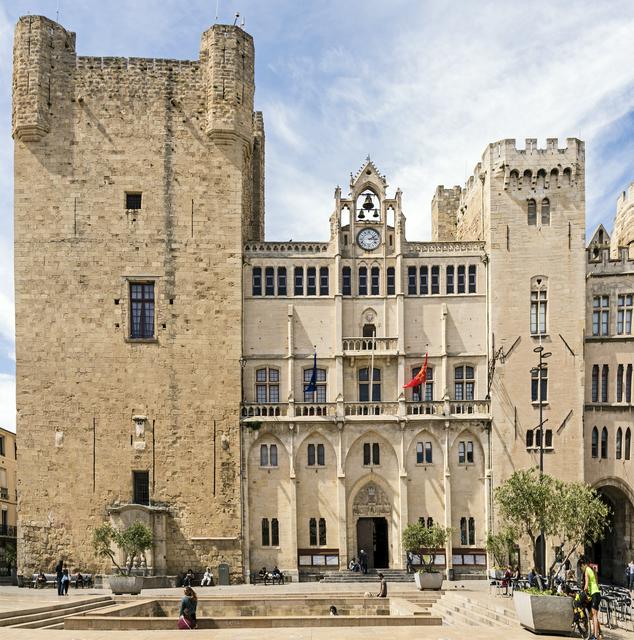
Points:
[(571, 512), (424, 542), (133, 541)]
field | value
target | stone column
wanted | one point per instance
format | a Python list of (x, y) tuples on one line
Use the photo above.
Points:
[(293, 499), (341, 500), (403, 503), (447, 477), (488, 507)]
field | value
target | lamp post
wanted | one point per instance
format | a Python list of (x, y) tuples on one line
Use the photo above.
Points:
[(539, 369)]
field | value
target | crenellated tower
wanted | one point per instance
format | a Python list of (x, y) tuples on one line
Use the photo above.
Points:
[(623, 235)]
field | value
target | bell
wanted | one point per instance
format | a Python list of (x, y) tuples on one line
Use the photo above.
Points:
[(376, 213), (367, 203), (361, 215)]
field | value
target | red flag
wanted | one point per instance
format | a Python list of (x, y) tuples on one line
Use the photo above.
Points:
[(420, 377)]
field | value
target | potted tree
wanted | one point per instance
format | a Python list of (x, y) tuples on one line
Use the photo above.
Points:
[(133, 541), (572, 512), (424, 542)]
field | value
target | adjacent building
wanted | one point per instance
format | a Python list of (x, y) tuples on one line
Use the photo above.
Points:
[(8, 502)]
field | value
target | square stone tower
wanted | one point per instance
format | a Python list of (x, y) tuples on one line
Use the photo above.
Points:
[(136, 183)]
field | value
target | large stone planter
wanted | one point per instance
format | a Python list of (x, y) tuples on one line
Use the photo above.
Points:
[(126, 584), (428, 580), (544, 614)]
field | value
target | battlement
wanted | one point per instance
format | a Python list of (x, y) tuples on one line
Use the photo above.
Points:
[(626, 198), (508, 148), (623, 235)]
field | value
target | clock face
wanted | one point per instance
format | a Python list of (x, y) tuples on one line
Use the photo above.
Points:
[(368, 239)]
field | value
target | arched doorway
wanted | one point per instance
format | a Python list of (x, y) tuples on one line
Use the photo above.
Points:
[(372, 511), (615, 550)]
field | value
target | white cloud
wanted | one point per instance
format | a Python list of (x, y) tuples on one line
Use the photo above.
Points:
[(7, 401)]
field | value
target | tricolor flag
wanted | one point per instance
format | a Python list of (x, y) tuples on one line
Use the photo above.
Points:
[(420, 377), (311, 387)]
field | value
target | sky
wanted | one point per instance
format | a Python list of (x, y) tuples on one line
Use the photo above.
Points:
[(420, 86)]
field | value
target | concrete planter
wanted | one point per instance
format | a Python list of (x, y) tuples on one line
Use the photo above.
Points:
[(544, 614), (126, 584), (428, 580)]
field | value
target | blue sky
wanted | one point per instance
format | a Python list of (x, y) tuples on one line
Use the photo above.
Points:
[(420, 86)]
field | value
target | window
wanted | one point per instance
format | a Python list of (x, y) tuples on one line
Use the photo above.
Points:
[(275, 532), (2, 449), (323, 281), (619, 443), (266, 539), (417, 392), (256, 281), (424, 453), (604, 383), (371, 454), (424, 288), (628, 442), (463, 531), (449, 283), (141, 310), (269, 281), (465, 452), (312, 532), (267, 385), (532, 212), (363, 281), (311, 281), (391, 281), (628, 384), (461, 279), (545, 212), (299, 281), (435, 279), (536, 396), (132, 200), (548, 443), (539, 303), (374, 281), (471, 524), (411, 281), (595, 383), (624, 314), (464, 383), (320, 459), (604, 443), (346, 281), (529, 439), (268, 455), (319, 395), (619, 383), (473, 269), (141, 487), (595, 442), (281, 281), (600, 315), (322, 531), (364, 385)]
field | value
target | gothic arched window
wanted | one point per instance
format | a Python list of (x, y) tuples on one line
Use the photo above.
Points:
[(595, 442), (545, 212), (532, 212), (604, 443)]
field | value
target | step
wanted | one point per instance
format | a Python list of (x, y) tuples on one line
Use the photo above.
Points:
[(493, 608), (38, 620), (477, 611), (57, 606)]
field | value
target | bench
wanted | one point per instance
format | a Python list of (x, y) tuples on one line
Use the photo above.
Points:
[(198, 576), (268, 578), (51, 580)]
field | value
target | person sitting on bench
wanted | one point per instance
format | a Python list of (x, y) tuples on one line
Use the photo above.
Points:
[(40, 581), (208, 578)]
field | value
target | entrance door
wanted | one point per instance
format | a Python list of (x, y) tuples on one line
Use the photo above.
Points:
[(372, 537)]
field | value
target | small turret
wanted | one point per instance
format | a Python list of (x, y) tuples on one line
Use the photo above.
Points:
[(623, 234)]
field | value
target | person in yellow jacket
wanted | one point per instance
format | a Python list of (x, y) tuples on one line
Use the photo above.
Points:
[(591, 587)]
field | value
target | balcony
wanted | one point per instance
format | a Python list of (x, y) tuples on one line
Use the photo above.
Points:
[(387, 411), (4, 493), (365, 346), (8, 531)]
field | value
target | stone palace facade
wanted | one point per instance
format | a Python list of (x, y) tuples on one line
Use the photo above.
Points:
[(164, 348)]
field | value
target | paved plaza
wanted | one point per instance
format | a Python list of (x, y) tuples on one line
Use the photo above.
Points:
[(20, 600)]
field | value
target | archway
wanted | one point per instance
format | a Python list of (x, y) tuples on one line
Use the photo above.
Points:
[(371, 511), (615, 550)]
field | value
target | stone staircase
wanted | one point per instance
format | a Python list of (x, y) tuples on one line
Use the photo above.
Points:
[(391, 576), (463, 610), (51, 616)]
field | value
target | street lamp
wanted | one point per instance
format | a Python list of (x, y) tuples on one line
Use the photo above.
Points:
[(538, 370)]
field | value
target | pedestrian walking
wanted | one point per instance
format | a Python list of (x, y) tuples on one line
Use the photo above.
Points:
[(363, 561), (59, 574), (630, 575)]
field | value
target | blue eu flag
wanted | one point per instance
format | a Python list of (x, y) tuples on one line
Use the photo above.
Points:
[(311, 387)]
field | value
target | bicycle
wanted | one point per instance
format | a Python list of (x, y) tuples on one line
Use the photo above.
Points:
[(581, 615)]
